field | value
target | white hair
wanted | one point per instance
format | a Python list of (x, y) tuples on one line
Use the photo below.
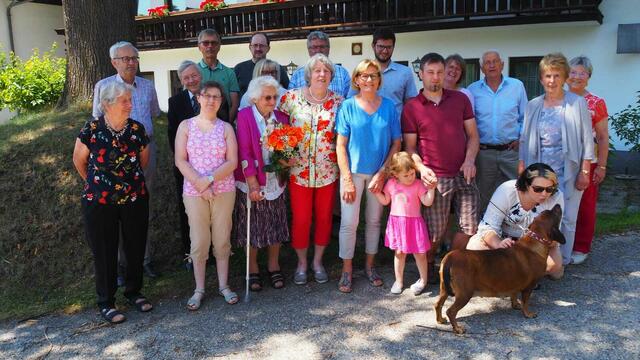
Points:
[(313, 61), (113, 50), (185, 65), (582, 61), (256, 86), (491, 51), (112, 91)]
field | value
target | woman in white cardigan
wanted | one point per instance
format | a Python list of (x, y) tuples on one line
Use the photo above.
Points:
[(557, 131)]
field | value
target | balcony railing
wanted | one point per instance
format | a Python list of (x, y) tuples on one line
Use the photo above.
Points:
[(294, 19)]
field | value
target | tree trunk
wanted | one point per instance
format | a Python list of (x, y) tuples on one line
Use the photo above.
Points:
[(91, 27)]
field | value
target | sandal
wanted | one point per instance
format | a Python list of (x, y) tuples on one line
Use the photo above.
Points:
[(255, 283), (109, 314), (141, 303), (229, 296), (276, 278), (344, 285), (418, 287), (194, 301), (374, 277)]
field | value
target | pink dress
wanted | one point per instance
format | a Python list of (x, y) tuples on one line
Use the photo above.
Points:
[(406, 229), (206, 152)]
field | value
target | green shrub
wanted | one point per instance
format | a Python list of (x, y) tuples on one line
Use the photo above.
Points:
[(626, 123), (31, 84)]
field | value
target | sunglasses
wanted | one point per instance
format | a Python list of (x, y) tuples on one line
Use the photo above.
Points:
[(539, 189)]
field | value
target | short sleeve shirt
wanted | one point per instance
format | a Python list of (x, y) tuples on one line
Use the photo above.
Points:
[(114, 173), (597, 108), (221, 74), (370, 135), (317, 163), (440, 130), (405, 200)]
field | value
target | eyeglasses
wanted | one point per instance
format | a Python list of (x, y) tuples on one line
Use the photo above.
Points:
[(127, 59), (209, 43), (578, 74), (539, 189), (270, 97), (259, 46), (365, 77), (211, 97), (384, 47)]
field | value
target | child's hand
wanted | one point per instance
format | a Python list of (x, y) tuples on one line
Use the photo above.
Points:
[(377, 183), (428, 177)]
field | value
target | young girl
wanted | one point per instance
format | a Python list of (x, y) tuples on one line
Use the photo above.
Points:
[(406, 230)]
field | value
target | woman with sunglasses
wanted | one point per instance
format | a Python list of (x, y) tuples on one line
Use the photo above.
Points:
[(513, 207), (269, 227)]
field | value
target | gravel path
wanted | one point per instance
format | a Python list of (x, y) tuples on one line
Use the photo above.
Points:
[(590, 314)]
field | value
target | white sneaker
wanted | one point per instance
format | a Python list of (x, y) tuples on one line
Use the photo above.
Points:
[(578, 257), (396, 289), (418, 287)]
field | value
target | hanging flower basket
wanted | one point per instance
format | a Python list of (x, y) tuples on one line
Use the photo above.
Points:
[(212, 5)]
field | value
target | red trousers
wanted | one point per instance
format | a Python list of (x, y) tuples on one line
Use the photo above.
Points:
[(309, 204), (586, 223)]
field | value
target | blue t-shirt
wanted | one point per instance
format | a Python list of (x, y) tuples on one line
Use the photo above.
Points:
[(370, 136)]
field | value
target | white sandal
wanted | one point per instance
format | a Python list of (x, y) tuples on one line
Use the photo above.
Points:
[(229, 296), (194, 302)]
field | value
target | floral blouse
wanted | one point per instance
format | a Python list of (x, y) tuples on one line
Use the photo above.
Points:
[(114, 174), (317, 164)]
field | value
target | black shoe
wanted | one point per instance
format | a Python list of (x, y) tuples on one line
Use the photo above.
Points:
[(149, 272)]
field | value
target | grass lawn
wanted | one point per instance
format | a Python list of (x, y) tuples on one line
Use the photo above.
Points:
[(45, 263)]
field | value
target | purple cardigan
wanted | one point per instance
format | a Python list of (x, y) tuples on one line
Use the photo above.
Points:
[(249, 148)]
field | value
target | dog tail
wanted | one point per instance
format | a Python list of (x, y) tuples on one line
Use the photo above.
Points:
[(446, 277)]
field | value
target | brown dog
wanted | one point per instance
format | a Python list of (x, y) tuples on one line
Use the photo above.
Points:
[(499, 273)]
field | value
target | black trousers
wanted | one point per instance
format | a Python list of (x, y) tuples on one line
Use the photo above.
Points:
[(184, 220), (102, 227)]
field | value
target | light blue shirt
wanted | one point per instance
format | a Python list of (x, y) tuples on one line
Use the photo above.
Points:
[(370, 136), (499, 114), (397, 85), (340, 83), (144, 99)]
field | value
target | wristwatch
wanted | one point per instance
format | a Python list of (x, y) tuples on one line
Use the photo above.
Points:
[(210, 178), (602, 167), (586, 172)]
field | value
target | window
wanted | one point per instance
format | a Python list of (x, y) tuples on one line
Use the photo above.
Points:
[(145, 5), (148, 75), (472, 72), (176, 86), (525, 69)]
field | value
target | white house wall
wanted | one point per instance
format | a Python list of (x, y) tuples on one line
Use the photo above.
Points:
[(611, 78)]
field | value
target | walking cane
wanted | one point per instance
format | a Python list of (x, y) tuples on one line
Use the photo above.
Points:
[(245, 164)]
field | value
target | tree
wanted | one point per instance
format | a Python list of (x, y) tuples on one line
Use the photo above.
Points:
[(91, 27), (626, 124)]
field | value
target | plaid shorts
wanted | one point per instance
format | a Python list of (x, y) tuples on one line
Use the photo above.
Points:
[(465, 200)]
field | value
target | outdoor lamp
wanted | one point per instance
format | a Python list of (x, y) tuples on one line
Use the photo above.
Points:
[(291, 67), (416, 65)]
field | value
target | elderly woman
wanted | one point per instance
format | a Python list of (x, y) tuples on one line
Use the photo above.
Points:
[(581, 70), (262, 68), (557, 131), (206, 154), (314, 172), (109, 154), (368, 136), (454, 71), (513, 207), (269, 226)]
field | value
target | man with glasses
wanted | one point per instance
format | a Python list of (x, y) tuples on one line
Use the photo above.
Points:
[(124, 58), (259, 45), (318, 42), (209, 42), (398, 83), (499, 109)]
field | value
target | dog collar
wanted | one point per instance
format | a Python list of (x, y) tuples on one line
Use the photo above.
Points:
[(541, 239)]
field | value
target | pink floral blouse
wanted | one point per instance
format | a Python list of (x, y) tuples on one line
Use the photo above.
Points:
[(317, 164)]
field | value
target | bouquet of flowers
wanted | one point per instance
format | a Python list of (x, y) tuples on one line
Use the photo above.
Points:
[(210, 5), (282, 142), (159, 12)]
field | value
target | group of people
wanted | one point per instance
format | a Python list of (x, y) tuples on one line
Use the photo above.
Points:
[(486, 152)]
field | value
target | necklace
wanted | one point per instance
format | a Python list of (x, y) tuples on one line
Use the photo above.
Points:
[(116, 133), (326, 95)]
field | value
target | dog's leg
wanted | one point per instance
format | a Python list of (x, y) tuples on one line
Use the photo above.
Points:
[(461, 300), (514, 302), (438, 307), (526, 294)]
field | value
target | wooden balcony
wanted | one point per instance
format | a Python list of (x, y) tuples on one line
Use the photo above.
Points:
[(294, 19)]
